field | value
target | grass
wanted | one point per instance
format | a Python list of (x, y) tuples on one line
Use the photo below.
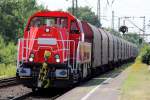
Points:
[(137, 84), (7, 70)]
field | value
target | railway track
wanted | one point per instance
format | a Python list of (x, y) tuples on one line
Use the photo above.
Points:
[(23, 97), (31, 95), (23, 93), (8, 82)]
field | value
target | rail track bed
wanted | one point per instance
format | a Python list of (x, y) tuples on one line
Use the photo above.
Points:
[(8, 82), (14, 92), (46, 94), (19, 92), (10, 89)]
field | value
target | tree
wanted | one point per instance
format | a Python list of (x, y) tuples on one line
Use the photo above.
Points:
[(133, 37), (86, 14), (145, 54), (13, 16), (114, 32), (7, 52)]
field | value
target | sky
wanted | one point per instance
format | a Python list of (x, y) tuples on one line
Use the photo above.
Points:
[(121, 8)]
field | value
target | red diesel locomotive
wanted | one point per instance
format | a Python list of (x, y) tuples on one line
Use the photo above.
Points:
[(58, 50)]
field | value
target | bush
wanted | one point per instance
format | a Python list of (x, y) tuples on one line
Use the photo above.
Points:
[(8, 57), (8, 54), (146, 54), (7, 70)]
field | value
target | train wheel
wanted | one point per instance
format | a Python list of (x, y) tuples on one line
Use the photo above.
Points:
[(80, 71), (34, 89), (89, 70), (85, 70)]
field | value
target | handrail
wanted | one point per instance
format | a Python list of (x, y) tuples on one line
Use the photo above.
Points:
[(65, 49)]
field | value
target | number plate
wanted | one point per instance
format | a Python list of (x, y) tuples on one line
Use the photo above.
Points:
[(47, 41)]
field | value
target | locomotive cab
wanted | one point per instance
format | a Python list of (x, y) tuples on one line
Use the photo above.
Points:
[(45, 34)]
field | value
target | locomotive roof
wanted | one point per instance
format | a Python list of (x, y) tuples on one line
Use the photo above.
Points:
[(47, 13)]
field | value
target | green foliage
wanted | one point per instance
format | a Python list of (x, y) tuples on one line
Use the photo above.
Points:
[(7, 58), (136, 85), (7, 70), (7, 52), (114, 32), (86, 14), (13, 15), (132, 37), (145, 54), (1, 42)]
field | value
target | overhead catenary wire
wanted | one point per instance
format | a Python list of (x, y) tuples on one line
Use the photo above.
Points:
[(108, 2), (112, 2), (135, 25)]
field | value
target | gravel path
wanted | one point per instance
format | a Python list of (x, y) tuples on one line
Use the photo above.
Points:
[(13, 91)]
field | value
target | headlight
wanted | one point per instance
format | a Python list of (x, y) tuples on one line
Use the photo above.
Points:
[(31, 59), (47, 30), (57, 60)]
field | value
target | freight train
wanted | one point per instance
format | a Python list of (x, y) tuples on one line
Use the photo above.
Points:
[(58, 50)]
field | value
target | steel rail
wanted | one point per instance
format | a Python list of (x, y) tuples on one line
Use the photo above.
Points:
[(29, 94), (22, 97), (8, 82)]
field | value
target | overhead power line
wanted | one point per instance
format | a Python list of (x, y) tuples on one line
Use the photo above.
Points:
[(135, 25), (112, 2), (108, 2), (129, 19)]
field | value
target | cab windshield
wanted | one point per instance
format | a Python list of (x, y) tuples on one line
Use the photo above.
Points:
[(49, 22)]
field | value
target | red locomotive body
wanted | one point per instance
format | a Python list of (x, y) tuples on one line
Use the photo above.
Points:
[(50, 49), (46, 31), (58, 50)]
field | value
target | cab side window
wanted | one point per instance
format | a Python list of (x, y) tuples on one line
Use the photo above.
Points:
[(74, 28)]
